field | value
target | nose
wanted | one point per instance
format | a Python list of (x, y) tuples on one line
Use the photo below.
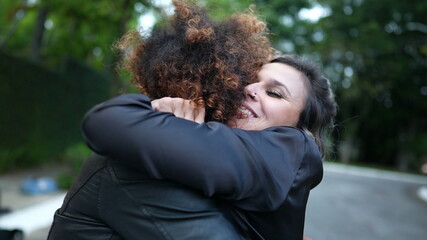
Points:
[(250, 91)]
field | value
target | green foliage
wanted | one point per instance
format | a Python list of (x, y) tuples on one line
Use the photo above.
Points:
[(382, 74), (42, 110), (290, 33), (78, 29), (375, 54), (220, 9), (73, 158), (43, 102)]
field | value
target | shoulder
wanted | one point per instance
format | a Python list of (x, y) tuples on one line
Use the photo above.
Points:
[(297, 135), (307, 157), (130, 97), (289, 135)]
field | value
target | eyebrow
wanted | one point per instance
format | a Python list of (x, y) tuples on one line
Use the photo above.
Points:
[(278, 83)]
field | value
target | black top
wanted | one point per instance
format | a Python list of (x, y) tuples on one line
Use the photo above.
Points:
[(265, 175), (112, 201)]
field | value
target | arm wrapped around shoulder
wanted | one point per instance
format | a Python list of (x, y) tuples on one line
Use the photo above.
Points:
[(253, 169)]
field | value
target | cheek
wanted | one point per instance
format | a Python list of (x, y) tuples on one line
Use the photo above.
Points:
[(285, 115)]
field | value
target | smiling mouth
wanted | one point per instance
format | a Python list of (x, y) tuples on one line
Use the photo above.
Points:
[(244, 113)]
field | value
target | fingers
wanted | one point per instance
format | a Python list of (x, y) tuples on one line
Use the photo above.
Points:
[(163, 105), (187, 110), (192, 112), (200, 115), (180, 107), (155, 105)]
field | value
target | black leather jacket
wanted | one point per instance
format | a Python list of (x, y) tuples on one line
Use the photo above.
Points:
[(112, 201), (263, 176)]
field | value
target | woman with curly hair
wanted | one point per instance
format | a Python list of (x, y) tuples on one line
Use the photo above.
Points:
[(202, 179), (196, 58), (191, 57)]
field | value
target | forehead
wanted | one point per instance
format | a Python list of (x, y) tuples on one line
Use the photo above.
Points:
[(282, 73), (279, 71)]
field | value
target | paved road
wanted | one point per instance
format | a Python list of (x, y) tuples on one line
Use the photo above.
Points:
[(359, 204), (29, 212)]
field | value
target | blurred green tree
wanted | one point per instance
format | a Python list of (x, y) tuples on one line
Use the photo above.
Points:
[(56, 62), (48, 31), (377, 52), (376, 56)]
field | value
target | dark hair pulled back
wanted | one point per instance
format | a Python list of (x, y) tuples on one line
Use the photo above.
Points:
[(320, 107)]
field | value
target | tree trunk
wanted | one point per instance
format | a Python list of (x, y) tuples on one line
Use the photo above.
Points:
[(113, 59), (39, 29)]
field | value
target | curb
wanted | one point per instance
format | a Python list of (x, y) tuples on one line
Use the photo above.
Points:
[(375, 173), (380, 174)]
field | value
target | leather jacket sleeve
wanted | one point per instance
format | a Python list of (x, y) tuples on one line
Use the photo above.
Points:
[(253, 169)]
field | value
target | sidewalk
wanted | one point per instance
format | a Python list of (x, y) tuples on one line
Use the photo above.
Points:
[(29, 213)]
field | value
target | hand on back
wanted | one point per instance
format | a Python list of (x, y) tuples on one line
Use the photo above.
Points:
[(181, 108)]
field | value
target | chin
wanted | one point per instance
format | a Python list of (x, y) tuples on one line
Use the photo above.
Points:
[(245, 125)]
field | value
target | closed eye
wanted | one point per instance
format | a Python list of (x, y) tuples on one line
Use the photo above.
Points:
[(274, 93)]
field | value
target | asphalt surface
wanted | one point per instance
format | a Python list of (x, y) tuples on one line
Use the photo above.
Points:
[(30, 213), (351, 203), (365, 204)]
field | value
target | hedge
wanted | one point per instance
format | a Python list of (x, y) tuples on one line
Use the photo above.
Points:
[(41, 110)]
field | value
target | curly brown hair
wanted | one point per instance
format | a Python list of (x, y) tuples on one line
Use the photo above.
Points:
[(197, 58)]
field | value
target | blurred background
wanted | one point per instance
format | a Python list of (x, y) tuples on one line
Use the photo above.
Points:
[(57, 61)]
